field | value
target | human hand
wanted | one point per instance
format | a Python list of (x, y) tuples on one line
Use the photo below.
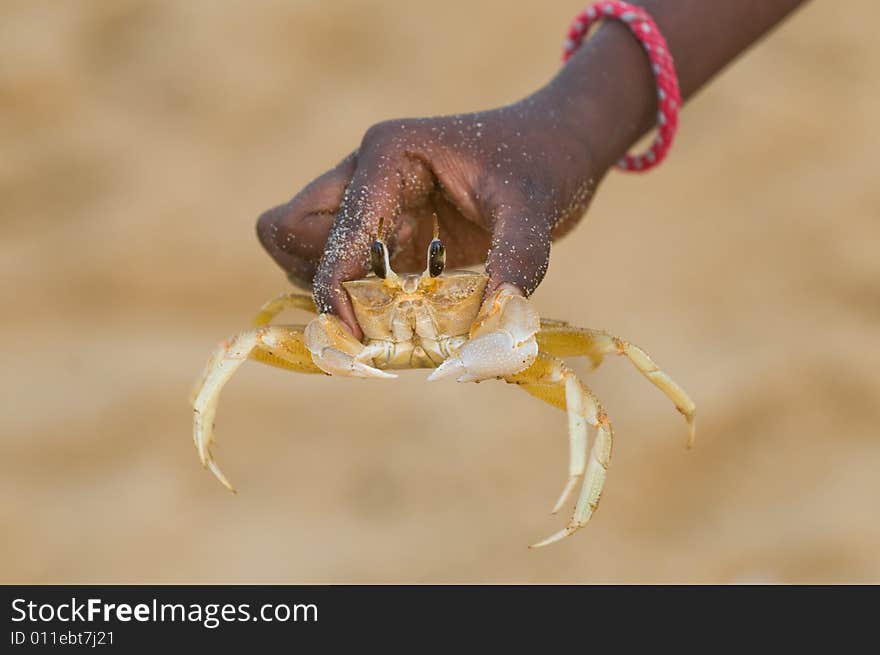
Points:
[(503, 184)]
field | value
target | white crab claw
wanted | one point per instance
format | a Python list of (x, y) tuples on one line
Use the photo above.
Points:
[(336, 362), (488, 356), (502, 340), (450, 368), (335, 350)]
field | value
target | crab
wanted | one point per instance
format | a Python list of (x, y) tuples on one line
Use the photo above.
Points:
[(440, 320)]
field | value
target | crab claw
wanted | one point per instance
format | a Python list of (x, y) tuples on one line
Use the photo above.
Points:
[(501, 341), (335, 350)]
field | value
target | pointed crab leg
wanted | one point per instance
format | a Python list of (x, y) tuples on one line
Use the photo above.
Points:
[(277, 305), (280, 346), (564, 340), (553, 382)]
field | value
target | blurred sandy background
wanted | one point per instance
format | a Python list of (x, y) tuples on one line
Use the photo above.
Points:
[(140, 140)]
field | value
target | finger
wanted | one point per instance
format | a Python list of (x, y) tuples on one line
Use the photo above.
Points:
[(383, 186), (520, 249), (294, 233)]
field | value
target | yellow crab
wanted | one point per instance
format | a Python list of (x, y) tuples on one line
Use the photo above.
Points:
[(437, 320)]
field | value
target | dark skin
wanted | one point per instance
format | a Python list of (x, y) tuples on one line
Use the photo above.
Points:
[(504, 183)]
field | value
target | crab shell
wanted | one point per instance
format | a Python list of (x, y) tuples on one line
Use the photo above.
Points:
[(420, 319)]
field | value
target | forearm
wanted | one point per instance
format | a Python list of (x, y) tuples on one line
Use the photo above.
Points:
[(606, 91)]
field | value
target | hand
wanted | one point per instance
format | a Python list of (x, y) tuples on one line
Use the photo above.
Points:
[(503, 184)]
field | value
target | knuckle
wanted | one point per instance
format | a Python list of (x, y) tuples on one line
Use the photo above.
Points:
[(267, 227), (384, 135)]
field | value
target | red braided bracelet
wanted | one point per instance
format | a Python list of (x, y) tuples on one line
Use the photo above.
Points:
[(645, 30)]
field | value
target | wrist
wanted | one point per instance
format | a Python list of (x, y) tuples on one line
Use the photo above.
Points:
[(605, 93)]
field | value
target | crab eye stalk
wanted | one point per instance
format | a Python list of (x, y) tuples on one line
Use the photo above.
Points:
[(378, 259), (436, 252), (436, 258)]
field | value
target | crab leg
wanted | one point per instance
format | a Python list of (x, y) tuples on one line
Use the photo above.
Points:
[(280, 346), (277, 305), (553, 382), (563, 340)]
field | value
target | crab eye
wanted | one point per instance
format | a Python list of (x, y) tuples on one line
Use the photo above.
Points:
[(436, 258), (377, 259)]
